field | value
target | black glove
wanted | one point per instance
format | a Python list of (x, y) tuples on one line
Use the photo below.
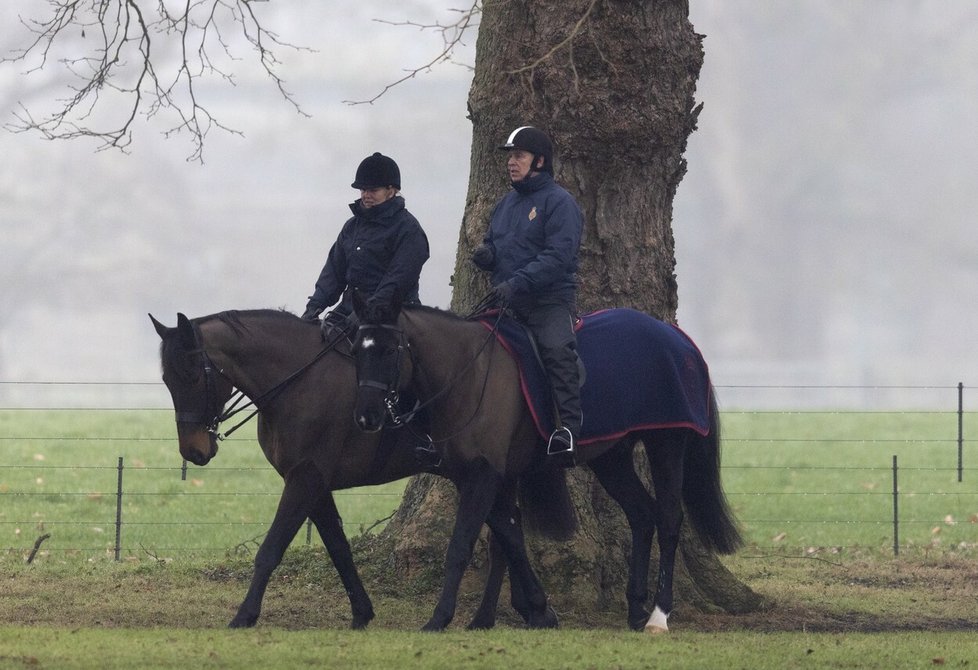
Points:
[(484, 257), (377, 310), (312, 313), (503, 292)]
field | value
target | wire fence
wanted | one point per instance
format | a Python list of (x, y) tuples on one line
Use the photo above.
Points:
[(89, 481)]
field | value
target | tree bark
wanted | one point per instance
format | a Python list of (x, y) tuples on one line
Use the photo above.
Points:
[(612, 82)]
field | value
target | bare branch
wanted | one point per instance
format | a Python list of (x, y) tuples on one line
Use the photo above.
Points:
[(452, 37), (137, 43)]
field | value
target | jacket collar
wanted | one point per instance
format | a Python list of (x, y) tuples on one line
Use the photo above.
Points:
[(533, 182), (384, 210)]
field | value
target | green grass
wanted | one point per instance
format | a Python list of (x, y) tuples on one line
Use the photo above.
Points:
[(59, 475), (802, 480), (796, 480), (263, 648), (825, 479)]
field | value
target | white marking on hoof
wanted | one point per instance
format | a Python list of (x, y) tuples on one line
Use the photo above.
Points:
[(657, 622)]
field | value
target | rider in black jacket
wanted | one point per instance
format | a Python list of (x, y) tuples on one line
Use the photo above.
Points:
[(379, 251)]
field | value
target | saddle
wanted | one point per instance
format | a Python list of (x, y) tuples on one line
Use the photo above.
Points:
[(642, 374)]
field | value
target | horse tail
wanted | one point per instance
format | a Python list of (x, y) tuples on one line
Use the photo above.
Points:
[(546, 503), (706, 504)]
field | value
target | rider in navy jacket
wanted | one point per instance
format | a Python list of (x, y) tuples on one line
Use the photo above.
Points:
[(531, 250), (534, 235), (379, 252)]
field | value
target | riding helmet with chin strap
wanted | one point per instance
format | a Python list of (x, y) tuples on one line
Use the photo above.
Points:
[(536, 142)]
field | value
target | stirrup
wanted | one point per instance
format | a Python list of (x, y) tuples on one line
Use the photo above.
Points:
[(561, 443)]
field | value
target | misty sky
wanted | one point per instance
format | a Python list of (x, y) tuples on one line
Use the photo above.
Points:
[(823, 230)]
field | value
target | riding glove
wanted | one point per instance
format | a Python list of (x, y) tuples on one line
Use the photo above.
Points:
[(484, 257), (503, 292), (312, 313)]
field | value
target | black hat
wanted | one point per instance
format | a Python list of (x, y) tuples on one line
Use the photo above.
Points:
[(535, 141), (376, 171)]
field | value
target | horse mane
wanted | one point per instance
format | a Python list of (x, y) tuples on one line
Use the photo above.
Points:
[(235, 318), (437, 311)]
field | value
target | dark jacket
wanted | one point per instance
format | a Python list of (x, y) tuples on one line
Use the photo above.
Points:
[(534, 233), (380, 252)]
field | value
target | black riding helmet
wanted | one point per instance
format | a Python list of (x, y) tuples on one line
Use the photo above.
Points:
[(536, 142), (377, 171)]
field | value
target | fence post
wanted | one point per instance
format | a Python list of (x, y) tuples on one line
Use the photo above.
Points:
[(183, 471), (896, 511), (960, 431), (308, 532), (118, 513)]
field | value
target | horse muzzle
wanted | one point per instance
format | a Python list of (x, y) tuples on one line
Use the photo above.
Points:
[(197, 446)]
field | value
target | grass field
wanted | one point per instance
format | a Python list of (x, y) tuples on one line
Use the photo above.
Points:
[(817, 480), (814, 491)]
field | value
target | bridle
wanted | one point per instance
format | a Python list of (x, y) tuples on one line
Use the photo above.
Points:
[(390, 387), (397, 418)]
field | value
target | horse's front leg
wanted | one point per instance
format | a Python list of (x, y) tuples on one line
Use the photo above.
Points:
[(293, 508), (485, 616), (528, 596), (330, 527), (477, 491)]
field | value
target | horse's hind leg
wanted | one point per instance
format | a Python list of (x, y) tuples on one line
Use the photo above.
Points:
[(330, 527), (293, 509), (615, 471), (666, 452)]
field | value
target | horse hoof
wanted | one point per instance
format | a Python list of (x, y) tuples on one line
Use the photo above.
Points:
[(481, 623), (243, 622), (359, 623), (657, 622), (432, 627), (637, 620)]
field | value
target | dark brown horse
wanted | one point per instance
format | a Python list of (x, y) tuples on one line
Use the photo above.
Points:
[(305, 393), (485, 432)]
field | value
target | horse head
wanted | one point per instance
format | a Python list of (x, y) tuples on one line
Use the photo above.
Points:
[(381, 364), (198, 389)]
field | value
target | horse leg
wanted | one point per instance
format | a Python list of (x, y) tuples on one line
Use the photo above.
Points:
[(485, 616), (666, 461), (477, 492), (615, 471), (330, 527), (528, 596), (293, 509)]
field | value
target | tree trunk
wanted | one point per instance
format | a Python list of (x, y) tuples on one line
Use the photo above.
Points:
[(612, 82)]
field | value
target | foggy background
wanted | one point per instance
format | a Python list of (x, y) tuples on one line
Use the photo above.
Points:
[(824, 231)]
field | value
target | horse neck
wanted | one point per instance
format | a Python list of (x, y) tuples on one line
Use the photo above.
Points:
[(259, 350), (443, 347)]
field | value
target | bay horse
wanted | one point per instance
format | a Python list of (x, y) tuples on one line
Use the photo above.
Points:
[(304, 392), (471, 390)]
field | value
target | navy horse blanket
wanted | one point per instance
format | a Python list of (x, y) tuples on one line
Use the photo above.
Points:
[(642, 374)]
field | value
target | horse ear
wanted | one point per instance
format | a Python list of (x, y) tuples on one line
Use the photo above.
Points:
[(161, 330), (185, 330)]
